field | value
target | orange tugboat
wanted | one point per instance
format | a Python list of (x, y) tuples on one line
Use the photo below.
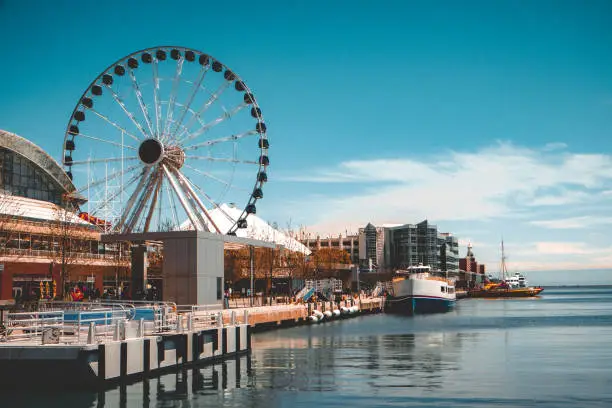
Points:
[(511, 288)]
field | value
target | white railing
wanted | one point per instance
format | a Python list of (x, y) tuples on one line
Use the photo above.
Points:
[(31, 325)]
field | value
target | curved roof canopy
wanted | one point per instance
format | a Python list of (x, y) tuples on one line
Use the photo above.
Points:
[(37, 156)]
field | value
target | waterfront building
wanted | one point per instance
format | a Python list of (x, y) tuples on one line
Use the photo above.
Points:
[(348, 243), (411, 245), (469, 263), (449, 252), (371, 247), (45, 247)]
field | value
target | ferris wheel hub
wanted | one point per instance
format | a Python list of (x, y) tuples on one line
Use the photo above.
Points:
[(150, 151), (175, 156)]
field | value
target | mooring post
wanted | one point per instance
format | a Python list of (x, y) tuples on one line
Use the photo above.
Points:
[(91, 334), (141, 330), (179, 323), (116, 331), (220, 319)]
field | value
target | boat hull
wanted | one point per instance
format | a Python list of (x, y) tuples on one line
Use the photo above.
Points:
[(418, 305), (506, 293)]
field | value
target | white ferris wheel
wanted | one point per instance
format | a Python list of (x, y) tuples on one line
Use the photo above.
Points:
[(161, 138)]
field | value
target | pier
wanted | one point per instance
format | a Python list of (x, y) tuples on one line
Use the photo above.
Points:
[(104, 343)]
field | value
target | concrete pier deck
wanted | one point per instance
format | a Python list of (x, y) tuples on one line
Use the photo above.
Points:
[(103, 344)]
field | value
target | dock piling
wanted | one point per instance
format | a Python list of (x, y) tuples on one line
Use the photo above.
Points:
[(116, 331), (91, 334), (141, 330), (220, 319), (179, 323)]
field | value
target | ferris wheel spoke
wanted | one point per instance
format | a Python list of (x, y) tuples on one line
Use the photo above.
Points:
[(212, 124), (181, 126), (110, 177), (172, 101), (223, 159), (210, 176), (189, 210), (194, 92), (197, 200), (144, 178), (107, 160), (99, 139), (221, 140), (156, 98), (122, 129), (143, 105), (129, 114), (206, 105)]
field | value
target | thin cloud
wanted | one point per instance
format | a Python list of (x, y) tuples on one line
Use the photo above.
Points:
[(554, 146), (586, 221), (484, 184)]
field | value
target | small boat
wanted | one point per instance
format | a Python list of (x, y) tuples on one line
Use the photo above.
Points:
[(511, 287), (418, 290)]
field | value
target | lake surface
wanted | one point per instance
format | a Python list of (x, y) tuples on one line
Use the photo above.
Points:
[(553, 351)]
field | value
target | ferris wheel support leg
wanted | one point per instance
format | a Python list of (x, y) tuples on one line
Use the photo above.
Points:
[(197, 200), (130, 203), (153, 203), (181, 196), (142, 202)]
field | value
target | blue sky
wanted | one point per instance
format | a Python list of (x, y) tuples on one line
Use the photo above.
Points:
[(487, 118)]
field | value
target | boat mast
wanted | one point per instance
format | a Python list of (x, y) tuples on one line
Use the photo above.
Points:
[(503, 261)]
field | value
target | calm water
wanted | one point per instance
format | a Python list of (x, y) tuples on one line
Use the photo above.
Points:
[(555, 351)]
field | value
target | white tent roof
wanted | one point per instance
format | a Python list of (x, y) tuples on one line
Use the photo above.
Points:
[(226, 215), (17, 206)]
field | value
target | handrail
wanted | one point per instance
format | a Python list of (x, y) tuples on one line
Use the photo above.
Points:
[(28, 325)]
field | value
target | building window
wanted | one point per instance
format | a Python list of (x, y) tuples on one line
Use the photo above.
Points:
[(219, 288)]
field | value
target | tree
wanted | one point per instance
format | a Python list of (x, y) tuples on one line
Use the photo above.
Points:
[(68, 239), (329, 258), (294, 261)]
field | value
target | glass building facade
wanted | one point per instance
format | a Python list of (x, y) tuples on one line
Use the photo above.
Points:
[(21, 177)]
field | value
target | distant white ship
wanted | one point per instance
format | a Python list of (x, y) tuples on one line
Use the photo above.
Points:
[(517, 281)]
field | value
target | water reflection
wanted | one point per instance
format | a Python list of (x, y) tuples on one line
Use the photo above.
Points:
[(327, 363), (183, 385)]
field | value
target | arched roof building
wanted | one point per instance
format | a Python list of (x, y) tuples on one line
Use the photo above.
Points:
[(27, 171)]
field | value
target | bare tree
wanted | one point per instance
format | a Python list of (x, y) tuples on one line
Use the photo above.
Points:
[(68, 240)]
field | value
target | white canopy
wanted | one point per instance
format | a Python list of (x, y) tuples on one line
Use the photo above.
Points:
[(226, 215)]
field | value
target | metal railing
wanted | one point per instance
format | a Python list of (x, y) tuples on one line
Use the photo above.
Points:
[(51, 253), (31, 325)]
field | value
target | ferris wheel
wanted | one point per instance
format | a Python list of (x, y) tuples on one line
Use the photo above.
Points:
[(161, 139)]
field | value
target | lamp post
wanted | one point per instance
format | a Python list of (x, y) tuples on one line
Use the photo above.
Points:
[(252, 272)]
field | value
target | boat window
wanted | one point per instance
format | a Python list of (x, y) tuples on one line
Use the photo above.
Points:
[(442, 289)]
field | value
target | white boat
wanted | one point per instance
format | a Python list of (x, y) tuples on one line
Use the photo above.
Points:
[(418, 290), (517, 281)]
